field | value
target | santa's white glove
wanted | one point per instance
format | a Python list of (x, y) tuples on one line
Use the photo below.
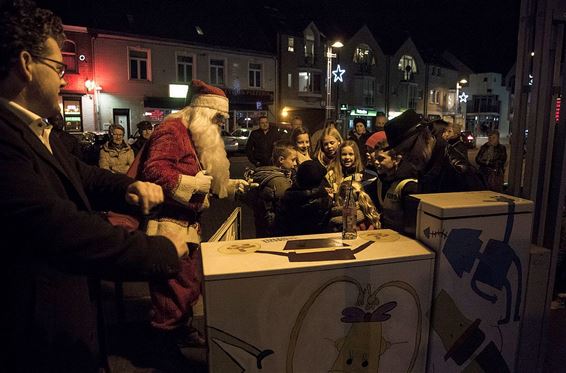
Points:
[(202, 182), (237, 186)]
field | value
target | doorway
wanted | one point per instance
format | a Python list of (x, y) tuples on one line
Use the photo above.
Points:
[(122, 117)]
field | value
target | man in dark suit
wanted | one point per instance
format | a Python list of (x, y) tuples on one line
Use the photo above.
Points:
[(55, 246)]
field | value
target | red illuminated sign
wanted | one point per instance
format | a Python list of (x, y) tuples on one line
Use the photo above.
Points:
[(557, 112)]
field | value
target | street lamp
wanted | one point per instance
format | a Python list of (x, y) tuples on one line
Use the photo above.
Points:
[(329, 56), (460, 97)]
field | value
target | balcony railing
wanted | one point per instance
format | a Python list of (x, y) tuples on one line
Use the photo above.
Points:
[(473, 107)]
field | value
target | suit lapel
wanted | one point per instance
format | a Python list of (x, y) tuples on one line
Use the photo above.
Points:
[(64, 159), (59, 163)]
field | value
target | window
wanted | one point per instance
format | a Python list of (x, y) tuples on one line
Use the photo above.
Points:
[(369, 92), (255, 75), (217, 72), (139, 64), (184, 68), (309, 45), (289, 80), (364, 55), (309, 82), (408, 66), (434, 97), (69, 51), (290, 44)]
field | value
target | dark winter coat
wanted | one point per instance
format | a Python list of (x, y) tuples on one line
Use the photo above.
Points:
[(272, 183), (496, 162), (55, 248), (449, 171), (138, 144), (361, 142), (260, 146), (303, 211)]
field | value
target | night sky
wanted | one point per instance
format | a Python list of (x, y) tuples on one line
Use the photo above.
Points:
[(482, 33)]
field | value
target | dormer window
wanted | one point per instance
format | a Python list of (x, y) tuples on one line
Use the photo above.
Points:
[(364, 55), (408, 66), (309, 44)]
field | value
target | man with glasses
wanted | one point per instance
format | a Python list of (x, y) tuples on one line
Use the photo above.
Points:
[(116, 155), (56, 246), (186, 156)]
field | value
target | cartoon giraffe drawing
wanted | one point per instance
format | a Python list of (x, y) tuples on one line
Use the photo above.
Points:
[(362, 347)]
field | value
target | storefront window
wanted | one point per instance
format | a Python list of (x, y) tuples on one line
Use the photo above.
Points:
[(72, 113)]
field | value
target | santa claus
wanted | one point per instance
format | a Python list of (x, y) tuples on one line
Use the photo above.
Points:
[(186, 156)]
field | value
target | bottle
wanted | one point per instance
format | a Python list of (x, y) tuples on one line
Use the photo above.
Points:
[(349, 216)]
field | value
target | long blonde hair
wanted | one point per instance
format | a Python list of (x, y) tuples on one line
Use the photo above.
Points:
[(336, 164), (363, 201), (329, 131)]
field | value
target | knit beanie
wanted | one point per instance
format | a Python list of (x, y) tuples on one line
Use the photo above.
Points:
[(310, 174)]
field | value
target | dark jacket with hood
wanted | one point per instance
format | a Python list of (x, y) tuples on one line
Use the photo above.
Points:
[(449, 170), (303, 211)]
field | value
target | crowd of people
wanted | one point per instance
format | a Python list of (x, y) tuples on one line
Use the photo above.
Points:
[(403, 156)]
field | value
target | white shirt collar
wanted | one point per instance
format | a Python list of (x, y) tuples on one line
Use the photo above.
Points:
[(36, 123)]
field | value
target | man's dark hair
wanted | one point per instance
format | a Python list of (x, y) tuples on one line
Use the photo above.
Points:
[(23, 26), (261, 117)]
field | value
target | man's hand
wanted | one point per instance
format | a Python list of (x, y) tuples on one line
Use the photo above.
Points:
[(145, 195), (203, 182)]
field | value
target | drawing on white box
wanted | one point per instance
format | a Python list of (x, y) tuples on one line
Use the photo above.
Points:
[(462, 337), (239, 248), (232, 354), (360, 350), (462, 249)]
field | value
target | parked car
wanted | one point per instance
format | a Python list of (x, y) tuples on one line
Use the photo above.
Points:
[(242, 135), (230, 142), (468, 139)]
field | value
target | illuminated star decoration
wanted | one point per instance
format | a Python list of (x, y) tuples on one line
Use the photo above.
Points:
[(463, 97), (338, 74)]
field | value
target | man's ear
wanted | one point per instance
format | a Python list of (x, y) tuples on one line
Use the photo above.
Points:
[(280, 159), (24, 66)]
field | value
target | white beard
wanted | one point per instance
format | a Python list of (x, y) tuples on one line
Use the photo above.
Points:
[(209, 146)]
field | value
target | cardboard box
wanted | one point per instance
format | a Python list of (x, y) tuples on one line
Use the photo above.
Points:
[(482, 242), (313, 304)]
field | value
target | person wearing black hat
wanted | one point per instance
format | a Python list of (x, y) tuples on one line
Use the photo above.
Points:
[(305, 207), (145, 129), (440, 169)]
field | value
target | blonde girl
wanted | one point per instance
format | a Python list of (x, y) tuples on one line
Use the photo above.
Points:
[(367, 215), (330, 141)]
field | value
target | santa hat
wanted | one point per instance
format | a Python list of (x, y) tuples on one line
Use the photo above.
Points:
[(201, 94), (377, 140)]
